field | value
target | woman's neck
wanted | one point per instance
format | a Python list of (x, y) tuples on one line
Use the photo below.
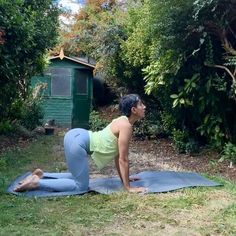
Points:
[(132, 120)]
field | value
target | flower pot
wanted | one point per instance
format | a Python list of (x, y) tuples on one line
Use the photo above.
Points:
[(49, 130)]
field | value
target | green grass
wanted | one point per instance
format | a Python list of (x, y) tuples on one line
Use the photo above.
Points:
[(193, 211)]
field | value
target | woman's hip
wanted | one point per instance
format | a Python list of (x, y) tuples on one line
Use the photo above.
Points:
[(77, 138)]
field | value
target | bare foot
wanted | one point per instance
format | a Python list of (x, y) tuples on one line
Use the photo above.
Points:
[(31, 183), (37, 172)]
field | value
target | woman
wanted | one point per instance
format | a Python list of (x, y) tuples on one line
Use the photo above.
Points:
[(111, 143)]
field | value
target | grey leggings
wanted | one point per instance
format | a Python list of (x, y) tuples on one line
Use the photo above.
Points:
[(76, 145)]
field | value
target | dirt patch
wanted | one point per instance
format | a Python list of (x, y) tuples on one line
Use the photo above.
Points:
[(147, 155), (161, 155), (8, 143)]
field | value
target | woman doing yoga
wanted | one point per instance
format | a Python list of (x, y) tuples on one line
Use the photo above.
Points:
[(111, 143)]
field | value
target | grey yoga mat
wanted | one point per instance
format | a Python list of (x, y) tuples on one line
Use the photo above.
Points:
[(154, 181)]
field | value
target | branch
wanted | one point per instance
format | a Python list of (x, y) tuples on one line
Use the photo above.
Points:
[(232, 32), (224, 68), (234, 71), (226, 44), (2, 34), (222, 34)]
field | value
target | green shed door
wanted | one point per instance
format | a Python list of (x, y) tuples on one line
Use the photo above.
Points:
[(81, 99)]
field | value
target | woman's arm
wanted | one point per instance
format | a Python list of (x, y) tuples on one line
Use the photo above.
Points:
[(122, 162), (131, 179), (117, 166)]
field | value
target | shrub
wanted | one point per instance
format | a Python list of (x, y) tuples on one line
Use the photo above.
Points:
[(32, 113), (147, 129), (96, 123), (168, 122), (184, 143), (150, 127), (192, 147), (5, 127), (31, 110), (229, 153), (180, 139)]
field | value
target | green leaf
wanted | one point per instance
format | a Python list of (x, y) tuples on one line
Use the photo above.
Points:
[(175, 103), (174, 96)]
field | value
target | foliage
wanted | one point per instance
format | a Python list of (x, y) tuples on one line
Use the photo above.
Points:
[(28, 29), (182, 52), (180, 139), (5, 126), (28, 113), (31, 112), (168, 122), (198, 79), (211, 128), (138, 46), (148, 128), (184, 143), (229, 153), (101, 23), (96, 123)]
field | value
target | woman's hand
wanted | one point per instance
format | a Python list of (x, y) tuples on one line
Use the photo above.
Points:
[(134, 178), (137, 190)]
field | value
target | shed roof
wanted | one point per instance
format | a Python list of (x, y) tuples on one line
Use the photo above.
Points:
[(77, 60)]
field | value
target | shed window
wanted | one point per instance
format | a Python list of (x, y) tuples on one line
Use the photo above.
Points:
[(82, 84), (61, 81)]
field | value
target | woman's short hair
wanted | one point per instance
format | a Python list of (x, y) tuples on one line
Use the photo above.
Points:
[(127, 102)]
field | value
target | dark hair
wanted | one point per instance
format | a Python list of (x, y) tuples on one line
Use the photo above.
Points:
[(127, 102)]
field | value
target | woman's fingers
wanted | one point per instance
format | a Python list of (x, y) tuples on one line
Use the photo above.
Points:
[(135, 178), (138, 190)]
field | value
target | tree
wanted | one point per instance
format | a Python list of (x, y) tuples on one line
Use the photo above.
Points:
[(222, 26), (183, 49), (195, 64), (28, 28), (99, 31)]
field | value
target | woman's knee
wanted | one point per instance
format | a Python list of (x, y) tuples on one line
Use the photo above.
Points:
[(82, 186)]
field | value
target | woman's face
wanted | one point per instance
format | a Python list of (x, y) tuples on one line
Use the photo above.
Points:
[(140, 109)]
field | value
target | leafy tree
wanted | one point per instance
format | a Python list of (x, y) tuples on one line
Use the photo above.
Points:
[(194, 65), (183, 49), (28, 28), (99, 31)]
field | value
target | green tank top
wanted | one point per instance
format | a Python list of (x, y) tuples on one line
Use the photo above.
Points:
[(104, 145)]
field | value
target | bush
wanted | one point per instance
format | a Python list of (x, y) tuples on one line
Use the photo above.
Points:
[(184, 143), (147, 129), (180, 139), (28, 30), (168, 122), (31, 110), (150, 127), (192, 147), (96, 123), (32, 114), (5, 127), (229, 153)]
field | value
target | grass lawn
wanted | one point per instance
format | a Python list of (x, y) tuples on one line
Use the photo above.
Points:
[(198, 211)]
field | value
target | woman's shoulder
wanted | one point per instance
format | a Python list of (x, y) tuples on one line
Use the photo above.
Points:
[(120, 124), (124, 118), (122, 121)]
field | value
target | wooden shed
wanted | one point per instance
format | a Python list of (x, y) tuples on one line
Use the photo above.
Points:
[(68, 96)]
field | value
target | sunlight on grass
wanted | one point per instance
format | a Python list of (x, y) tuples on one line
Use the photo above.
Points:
[(193, 211)]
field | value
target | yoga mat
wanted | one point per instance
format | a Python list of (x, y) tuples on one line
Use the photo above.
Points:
[(154, 181)]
